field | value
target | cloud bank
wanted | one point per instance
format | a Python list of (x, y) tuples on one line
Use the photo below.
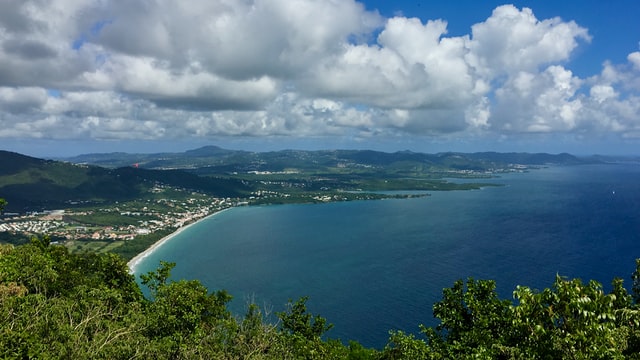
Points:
[(156, 70)]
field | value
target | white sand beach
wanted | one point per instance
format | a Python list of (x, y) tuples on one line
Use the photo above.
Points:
[(133, 263)]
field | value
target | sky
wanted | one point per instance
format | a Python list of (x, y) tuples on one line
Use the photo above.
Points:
[(84, 76)]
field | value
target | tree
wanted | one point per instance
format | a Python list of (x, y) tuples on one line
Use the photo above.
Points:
[(635, 285), (570, 320), (57, 304), (301, 334), (298, 321), (54, 304), (472, 319)]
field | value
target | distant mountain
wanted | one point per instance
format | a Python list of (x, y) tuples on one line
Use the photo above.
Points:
[(526, 158), (213, 159), (11, 163), (29, 183), (620, 159), (204, 156), (208, 151)]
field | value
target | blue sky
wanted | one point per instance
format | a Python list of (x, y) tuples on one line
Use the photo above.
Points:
[(152, 76), (612, 24)]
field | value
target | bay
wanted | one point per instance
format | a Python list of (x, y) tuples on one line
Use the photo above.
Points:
[(374, 266)]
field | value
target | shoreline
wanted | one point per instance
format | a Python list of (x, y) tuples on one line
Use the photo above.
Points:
[(133, 263)]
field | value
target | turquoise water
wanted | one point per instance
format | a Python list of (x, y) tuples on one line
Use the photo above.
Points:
[(373, 266)]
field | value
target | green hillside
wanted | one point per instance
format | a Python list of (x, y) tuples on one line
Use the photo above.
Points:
[(28, 183), (213, 159)]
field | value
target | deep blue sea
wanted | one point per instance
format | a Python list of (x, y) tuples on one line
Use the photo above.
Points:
[(373, 266)]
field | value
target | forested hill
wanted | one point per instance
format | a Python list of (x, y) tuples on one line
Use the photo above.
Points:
[(31, 183), (213, 157)]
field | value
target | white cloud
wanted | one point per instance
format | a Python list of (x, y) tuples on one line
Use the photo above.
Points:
[(601, 93), (235, 39), (36, 43), (634, 58), (22, 100), (543, 102), (512, 40), (167, 69), (411, 66)]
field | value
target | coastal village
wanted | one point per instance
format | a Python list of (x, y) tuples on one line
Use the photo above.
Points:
[(54, 223), (126, 220)]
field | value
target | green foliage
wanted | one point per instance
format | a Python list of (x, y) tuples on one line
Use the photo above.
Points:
[(301, 332), (297, 321), (35, 183), (471, 317), (7, 237), (107, 219), (156, 279), (59, 305), (405, 346), (570, 320), (130, 249), (635, 286), (56, 304)]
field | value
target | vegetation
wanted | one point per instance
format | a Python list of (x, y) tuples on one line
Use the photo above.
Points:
[(213, 159), (32, 184), (57, 304), (129, 249)]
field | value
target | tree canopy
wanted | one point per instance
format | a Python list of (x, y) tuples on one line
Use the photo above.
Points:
[(57, 304)]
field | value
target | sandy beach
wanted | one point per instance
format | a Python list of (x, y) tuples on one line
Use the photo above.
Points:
[(133, 263)]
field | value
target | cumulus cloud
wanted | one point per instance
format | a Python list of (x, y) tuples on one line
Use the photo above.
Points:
[(614, 103), (165, 69), (22, 100), (411, 66), (514, 40), (544, 102)]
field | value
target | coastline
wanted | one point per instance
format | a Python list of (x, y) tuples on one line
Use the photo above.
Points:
[(133, 263)]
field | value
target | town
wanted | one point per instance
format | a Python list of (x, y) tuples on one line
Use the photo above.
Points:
[(107, 226)]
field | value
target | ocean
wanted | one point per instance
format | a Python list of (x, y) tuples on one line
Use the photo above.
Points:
[(374, 266)]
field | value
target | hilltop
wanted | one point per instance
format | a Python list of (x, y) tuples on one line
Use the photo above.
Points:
[(29, 183), (213, 159)]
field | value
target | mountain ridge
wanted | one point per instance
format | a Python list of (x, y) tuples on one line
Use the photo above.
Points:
[(216, 156), (30, 183)]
